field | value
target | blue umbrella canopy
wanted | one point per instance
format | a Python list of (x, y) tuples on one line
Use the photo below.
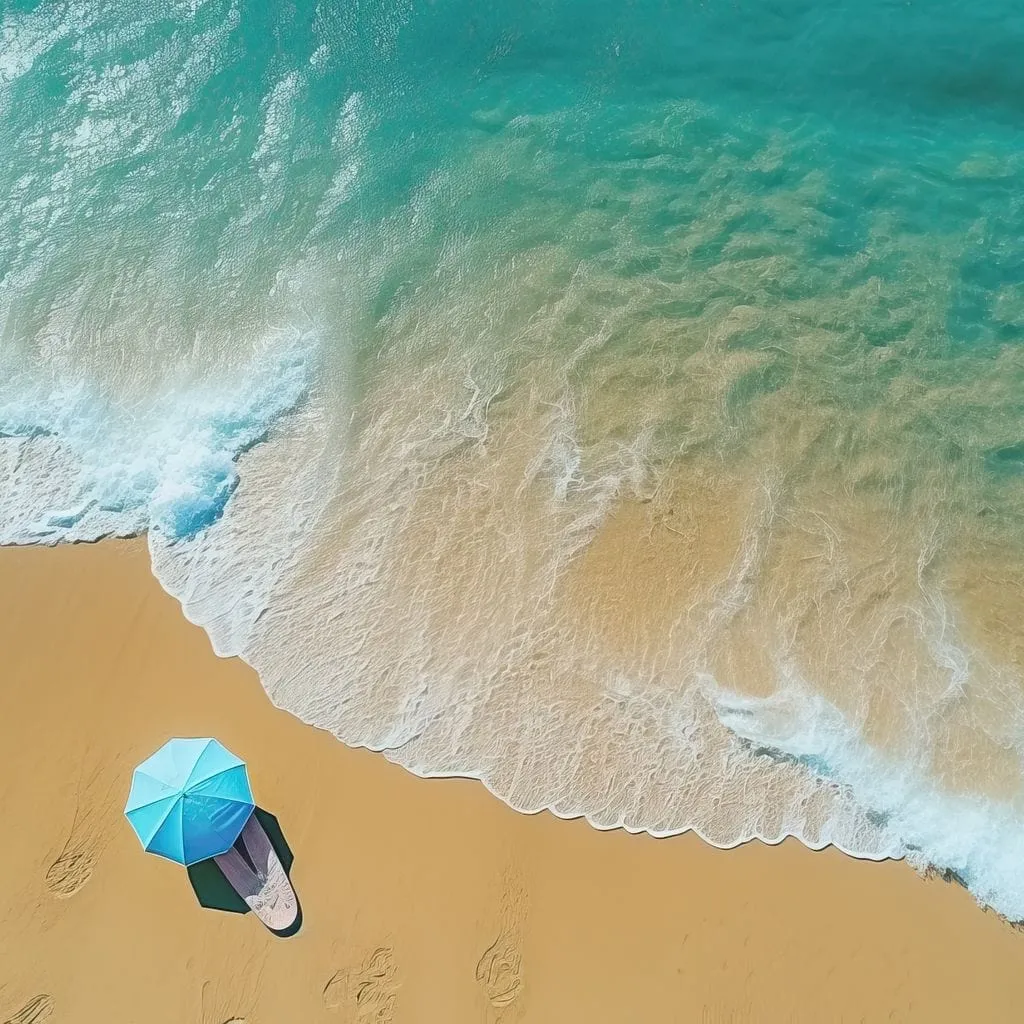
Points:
[(190, 800)]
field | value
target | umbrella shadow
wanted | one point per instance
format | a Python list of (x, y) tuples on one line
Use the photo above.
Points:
[(215, 892)]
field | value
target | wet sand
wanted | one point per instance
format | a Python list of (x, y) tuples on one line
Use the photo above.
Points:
[(423, 901)]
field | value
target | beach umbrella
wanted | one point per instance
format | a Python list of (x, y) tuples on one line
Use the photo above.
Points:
[(190, 800)]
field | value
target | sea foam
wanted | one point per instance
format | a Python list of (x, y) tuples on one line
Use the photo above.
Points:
[(79, 467), (978, 840)]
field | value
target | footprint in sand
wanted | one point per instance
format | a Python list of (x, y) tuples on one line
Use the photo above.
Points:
[(74, 864), (369, 992), (35, 1011), (68, 873), (499, 972)]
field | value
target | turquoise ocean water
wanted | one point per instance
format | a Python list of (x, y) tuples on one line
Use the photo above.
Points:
[(620, 403)]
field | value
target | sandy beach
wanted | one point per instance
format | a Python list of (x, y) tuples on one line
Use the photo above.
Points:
[(423, 901)]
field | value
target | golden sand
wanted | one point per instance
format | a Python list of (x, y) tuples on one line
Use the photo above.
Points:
[(423, 901)]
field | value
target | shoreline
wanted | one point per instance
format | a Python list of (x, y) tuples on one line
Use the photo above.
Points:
[(437, 899)]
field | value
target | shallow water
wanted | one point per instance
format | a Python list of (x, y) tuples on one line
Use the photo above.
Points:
[(618, 403)]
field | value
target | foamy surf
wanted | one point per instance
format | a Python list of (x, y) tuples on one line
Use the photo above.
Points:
[(80, 466), (979, 841), (581, 419)]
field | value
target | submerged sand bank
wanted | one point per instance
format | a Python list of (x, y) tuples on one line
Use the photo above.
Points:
[(424, 901)]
